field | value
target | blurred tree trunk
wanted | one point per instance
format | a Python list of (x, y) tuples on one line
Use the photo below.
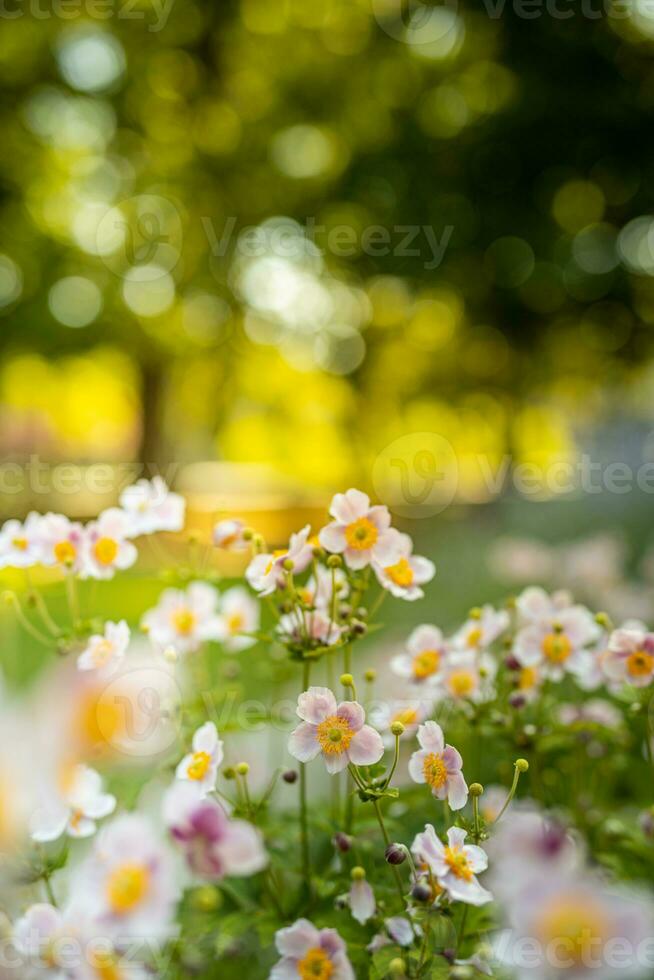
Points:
[(151, 398)]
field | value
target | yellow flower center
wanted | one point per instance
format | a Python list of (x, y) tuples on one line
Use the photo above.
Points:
[(65, 552), (457, 862), (127, 887), (435, 770), (235, 622), (334, 735), (474, 636), (557, 647), (199, 765), (184, 621), (409, 716), (361, 534), (102, 652), (640, 663), (527, 678), (426, 663), (575, 929), (461, 683), (106, 966), (20, 543), (273, 558), (316, 965), (401, 573), (105, 550)]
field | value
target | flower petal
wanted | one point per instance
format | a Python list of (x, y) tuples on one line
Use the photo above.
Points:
[(353, 713), (430, 737), (366, 748), (316, 704), (303, 743)]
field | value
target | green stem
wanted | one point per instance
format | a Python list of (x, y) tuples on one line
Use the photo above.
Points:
[(395, 761), (387, 841), (73, 603), (13, 600), (304, 825), (514, 786), (48, 890)]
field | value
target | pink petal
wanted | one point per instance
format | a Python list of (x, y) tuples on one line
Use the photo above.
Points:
[(381, 518), (387, 549), (366, 747), (335, 762), (353, 714), (477, 858), (452, 759), (332, 538), (356, 559), (316, 704), (416, 764), (456, 837), (423, 569), (457, 791), (243, 852), (362, 901), (298, 939), (348, 507), (303, 744), (430, 737)]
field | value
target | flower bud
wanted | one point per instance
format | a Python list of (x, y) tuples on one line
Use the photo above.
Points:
[(242, 769), (397, 967), (229, 773), (358, 873), (397, 728), (476, 789), (206, 899), (359, 628), (247, 534), (347, 680), (395, 854), (334, 561), (290, 776), (370, 675), (517, 701), (512, 662), (342, 842), (522, 765), (421, 892), (288, 564)]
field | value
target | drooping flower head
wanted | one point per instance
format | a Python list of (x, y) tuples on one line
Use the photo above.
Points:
[(403, 578), (311, 954), (201, 765), (361, 533), (454, 865), (439, 766), (150, 506), (336, 731)]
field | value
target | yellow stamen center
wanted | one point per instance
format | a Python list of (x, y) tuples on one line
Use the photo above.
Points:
[(462, 683), (20, 544), (640, 664), (199, 765), (474, 636), (361, 534), (106, 966), (527, 678), (457, 862), (334, 735), (102, 652), (557, 647), (273, 558), (426, 663), (574, 929), (65, 551), (235, 622), (409, 716), (316, 965), (105, 551), (435, 770), (184, 621), (127, 887), (400, 573)]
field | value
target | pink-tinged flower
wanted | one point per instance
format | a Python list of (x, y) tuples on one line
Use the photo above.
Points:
[(535, 605), (45, 940), (409, 712), (316, 624), (127, 883), (631, 657), (311, 954), (150, 507), (424, 657), (482, 628), (361, 533), (215, 846), (491, 803), (21, 543), (361, 898), (398, 930), (228, 535), (467, 676), (404, 577), (184, 619), (239, 615), (594, 674), (596, 711), (336, 731), (80, 803), (439, 765), (555, 638), (201, 765), (63, 542), (577, 927), (265, 573), (454, 865), (105, 651), (106, 548)]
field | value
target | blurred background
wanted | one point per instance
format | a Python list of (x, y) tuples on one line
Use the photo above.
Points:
[(275, 249)]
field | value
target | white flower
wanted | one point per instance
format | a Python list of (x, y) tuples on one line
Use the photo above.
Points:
[(127, 882), (265, 573), (595, 711), (82, 802), (361, 533), (467, 677), (630, 658), (361, 899), (201, 765), (310, 953), (106, 545), (424, 658), (439, 765), (239, 615), (336, 731), (150, 506), (409, 712), (481, 628), (105, 650), (63, 542), (555, 635), (21, 543), (45, 940), (184, 619), (454, 865), (404, 577), (228, 535)]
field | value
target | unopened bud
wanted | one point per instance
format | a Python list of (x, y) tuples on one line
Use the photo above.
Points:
[(229, 773), (288, 564), (290, 776), (370, 675), (247, 534), (342, 842), (358, 873), (522, 765), (334, 561), (347, 680), (421, 892), (397, 967), (242, 769), (476, 789), (359, 628), (395, 854), (512, 662), (397, 728)]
